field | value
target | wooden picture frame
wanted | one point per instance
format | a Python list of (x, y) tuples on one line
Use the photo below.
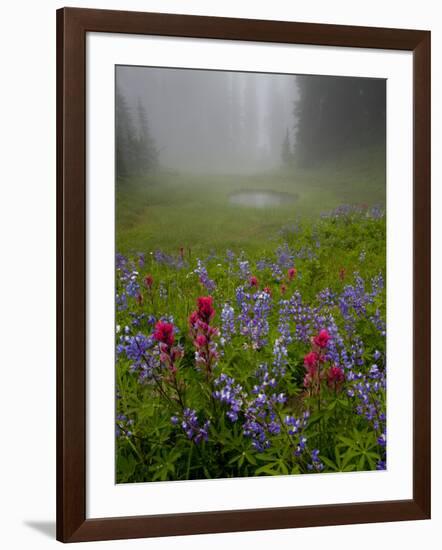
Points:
[(72, 26)]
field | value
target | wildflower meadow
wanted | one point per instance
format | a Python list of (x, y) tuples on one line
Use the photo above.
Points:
[(266, 359), (250, 274)]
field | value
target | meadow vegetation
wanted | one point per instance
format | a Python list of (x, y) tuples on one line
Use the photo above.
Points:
[(251, 341)]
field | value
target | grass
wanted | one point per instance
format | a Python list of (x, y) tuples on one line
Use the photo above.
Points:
[(168, 210), (340, 262)]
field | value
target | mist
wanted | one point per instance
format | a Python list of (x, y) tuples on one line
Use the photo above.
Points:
[(212, 150), (212, 121)]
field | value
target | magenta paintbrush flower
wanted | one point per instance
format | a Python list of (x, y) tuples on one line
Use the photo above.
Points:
[(164, 333), (206, 311), (321, 340)]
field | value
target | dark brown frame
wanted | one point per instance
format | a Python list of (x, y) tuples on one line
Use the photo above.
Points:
[(72, 26)]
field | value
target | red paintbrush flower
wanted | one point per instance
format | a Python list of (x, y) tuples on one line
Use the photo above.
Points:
[(193, 318), (148, 280), (164, 333), (311, 359), (311, 363), (335, 376), (200, 341), (291, 273), (206, 311), (321, 340), (253, 281)]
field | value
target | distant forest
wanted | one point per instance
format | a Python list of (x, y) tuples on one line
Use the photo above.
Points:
[(335, 115), (136, 151), (201, 119)]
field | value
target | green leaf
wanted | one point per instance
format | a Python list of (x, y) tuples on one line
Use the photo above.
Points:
[(348, 456), (330, 463), (347, 441), (361, 463), (265, 457), (267, 469), (250, 458), (283, 468), (338, 457)]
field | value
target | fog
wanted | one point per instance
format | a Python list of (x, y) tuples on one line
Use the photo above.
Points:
[(215, 122), (212, 121)]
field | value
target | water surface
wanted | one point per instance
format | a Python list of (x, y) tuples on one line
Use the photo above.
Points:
[(261, 199)]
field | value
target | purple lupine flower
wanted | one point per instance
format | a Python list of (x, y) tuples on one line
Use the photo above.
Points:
[(227, 323), (133, 287), (141, 259), (230, 393), (230, 257), (378, 322), (336, 352), (192, 428), (284, 321), (277, 273), (121, 301), (357, 352), (243, 301), (137, 318), (146, 368), (301, 446), (306, 323), (326, 298), (141, 351), (284, 256), (377, 212), (258, 325), (241, 295), (316, 463), (168, 260), (136, 346), (261, 420), (368, 391), (244, 269), (203, 276), (120, 261), (296, 425), (123, 426), (263, 264), (280, 354)]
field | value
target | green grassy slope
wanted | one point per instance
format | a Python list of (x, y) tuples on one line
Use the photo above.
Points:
[(168, 210)]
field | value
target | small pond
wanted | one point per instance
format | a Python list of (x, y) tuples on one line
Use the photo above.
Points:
[(261, 199)]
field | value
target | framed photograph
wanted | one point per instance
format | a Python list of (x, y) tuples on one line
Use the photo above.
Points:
[(243, 274)]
